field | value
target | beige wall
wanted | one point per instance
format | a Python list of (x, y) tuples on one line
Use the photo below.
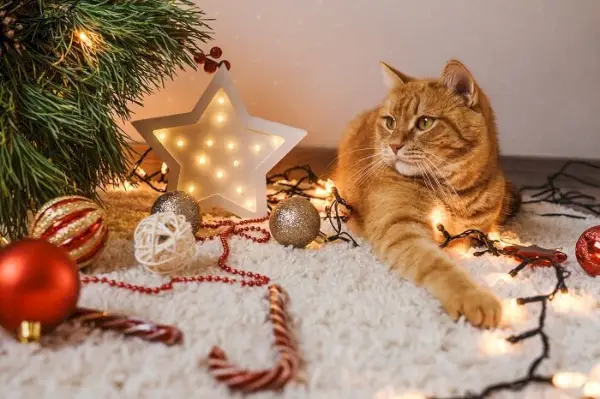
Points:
[(313, 63)]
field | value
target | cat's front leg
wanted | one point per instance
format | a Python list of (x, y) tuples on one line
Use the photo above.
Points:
[(408, 249)]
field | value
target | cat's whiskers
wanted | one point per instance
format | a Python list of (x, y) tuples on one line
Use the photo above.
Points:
[(452, 198), (361, 171), (373, 168), (448, 183), (441, 190), (351, 152)]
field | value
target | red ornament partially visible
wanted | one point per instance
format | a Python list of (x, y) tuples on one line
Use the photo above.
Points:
[(587, 251), (39, 283), (74, 223)]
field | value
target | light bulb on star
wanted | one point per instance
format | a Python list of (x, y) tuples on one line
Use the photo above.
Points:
[(249, 140)]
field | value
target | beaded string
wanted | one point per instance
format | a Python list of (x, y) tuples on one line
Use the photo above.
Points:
[(241, 229)]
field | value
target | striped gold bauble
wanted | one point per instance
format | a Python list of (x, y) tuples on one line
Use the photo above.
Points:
[(74, 223)]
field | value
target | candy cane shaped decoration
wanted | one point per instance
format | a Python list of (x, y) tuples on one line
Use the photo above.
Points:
[(284, 371)]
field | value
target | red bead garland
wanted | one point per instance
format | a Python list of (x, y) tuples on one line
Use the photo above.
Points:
[(233, 229)]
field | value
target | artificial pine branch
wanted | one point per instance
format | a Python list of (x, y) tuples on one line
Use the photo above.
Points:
[(60, 91)]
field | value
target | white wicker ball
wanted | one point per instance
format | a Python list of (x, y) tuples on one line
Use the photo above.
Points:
[(164, 243)]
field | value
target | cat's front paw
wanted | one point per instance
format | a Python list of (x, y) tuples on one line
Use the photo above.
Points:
[(480, 307)]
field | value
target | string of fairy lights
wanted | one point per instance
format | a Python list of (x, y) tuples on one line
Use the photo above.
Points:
[(302, 181)]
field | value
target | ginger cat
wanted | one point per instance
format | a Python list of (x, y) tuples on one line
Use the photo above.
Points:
[(431, 143)]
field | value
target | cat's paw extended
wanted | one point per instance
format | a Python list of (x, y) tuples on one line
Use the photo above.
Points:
[(480, 307)]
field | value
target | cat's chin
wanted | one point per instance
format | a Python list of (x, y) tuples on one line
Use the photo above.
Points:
[(407, 169)]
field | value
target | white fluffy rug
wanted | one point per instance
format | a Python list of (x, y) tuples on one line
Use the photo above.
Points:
[(363, 332)]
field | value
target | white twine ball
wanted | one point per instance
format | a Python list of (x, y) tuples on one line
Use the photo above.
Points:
[(164, 243)]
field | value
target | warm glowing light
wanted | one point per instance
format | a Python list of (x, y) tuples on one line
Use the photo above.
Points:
[(595, 373), (220, 118), (230, 145), (191, 188), (163, 168), (142, 172), (85, 39), (411, 395), (239, 190), (257, 148), (161, 136), (512, 312), (202, 160), (320, 191), (329, 186), (236, 163), (591, 389), (221, 100), (568, 303), (220, 174), (568, 379), (127, 186), (277, 141), (495, 345), (180, 143), (209, 143), (437, 216), (249, 204)]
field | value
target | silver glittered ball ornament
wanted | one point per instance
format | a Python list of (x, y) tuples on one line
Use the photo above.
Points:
[(295, 221), (180, 203)]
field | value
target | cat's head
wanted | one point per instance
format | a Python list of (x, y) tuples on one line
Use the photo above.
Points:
[(435, 126)]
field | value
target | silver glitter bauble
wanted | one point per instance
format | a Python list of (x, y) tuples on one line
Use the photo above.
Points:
[(179, 203), (295, 221)]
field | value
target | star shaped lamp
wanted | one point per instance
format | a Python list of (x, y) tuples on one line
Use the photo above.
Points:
[(218, 153)]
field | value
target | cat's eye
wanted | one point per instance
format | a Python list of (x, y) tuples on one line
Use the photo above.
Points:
[(424, 123), (390, 122)]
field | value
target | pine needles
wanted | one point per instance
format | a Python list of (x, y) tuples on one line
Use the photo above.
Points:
[(79, 65)]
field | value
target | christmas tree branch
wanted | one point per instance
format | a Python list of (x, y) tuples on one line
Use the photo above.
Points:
[(67, 71)]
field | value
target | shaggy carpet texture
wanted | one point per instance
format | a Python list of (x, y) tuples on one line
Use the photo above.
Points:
[(363, 332)]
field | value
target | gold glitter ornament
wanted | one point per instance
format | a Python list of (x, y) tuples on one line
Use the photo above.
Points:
[(74, 223), (295, 221), (180, 203)]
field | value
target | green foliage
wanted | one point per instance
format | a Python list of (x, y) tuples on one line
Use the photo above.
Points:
[(61, 91)]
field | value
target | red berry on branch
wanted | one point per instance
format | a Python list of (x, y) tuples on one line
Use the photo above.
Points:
[(216, 52), (199, 58), (210, 66)]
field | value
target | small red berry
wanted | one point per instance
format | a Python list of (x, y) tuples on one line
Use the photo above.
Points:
[(216, 52), (199, 58)]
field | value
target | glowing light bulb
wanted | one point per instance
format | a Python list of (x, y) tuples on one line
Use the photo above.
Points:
[(277, 141), (568, 379), (202, 160), (85, 39), (230, 145), (257, 148), (239, 190), (568, 303), (209, 143), (191, 188), (220, 174), (249, 204), (161, 136), (329, 186), (494, 345), (180, 143), (220, 118), (163, 168), (142, 172), (437, 216), (236, 163), (221, 100), (512, 312), (591, 389)]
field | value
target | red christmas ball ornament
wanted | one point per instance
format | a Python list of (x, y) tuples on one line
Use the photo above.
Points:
[(74, 223), (587, 251), (39, 287), (210, 66), (216, 52), (199, 58)]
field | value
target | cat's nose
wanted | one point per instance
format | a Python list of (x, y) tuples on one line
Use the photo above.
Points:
[(396, 147)]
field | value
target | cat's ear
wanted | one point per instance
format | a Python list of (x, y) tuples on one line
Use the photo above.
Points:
[(458, 78), (391, 77)]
